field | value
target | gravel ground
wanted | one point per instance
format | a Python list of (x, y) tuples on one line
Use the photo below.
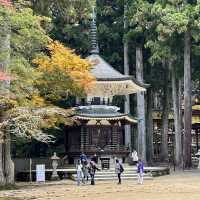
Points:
[(177, 186)]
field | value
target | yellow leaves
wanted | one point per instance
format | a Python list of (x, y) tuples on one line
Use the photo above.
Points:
[(68, 63), (37, 101)]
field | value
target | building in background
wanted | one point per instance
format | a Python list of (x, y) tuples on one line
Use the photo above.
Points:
[(100, 126)]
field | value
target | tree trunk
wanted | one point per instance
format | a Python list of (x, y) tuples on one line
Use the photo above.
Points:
[(177, 118), (149, 126), (180, 113), (2, 177), (126, 72), (165, 114), (187, 100), (9, 165), (140, 107)]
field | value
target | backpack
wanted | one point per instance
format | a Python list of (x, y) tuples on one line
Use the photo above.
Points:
[(121, 168)]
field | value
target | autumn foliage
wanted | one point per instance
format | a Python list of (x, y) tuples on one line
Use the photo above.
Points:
[(4, 77), (5, 3), (63, 61)]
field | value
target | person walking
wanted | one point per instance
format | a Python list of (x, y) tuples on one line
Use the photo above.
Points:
[(95, 158), (92, 171), (79, 171), (119, 170), (83, 157), (85, 170), (140, 171)]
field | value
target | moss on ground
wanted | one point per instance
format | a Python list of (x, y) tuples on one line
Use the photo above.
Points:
[(8, 187)]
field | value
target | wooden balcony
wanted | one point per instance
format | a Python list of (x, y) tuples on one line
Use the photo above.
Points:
[(91, 149)]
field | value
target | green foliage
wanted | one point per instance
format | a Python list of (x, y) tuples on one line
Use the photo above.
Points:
[(26, 112), (110, 15), (27, 122), (70, 21), (140, 19), (51, 90), (159, 25), (159, 51), (28, 36)]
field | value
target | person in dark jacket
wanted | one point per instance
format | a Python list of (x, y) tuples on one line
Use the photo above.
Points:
[(92, 170), (95, 158), (119, 170), (83, 158)]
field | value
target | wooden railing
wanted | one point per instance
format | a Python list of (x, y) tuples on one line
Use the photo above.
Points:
[(94, 148)]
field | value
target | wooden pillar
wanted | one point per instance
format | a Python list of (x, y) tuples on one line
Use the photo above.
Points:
[(111, 135), (114, 135), (82, 139), (86, 134), (66, 140), (197, 139)]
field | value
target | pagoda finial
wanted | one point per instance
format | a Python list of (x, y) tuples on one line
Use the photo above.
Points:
[(95, 47)]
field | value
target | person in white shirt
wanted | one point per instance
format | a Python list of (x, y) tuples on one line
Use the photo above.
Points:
[(79, 171), (134, 157)]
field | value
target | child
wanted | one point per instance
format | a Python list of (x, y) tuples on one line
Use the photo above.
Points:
[(140, 171)]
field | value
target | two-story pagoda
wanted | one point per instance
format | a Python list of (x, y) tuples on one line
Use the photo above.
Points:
[(100, 127)]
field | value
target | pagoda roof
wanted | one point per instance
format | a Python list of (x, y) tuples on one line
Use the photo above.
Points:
[(109, 81), (102, 70), (102, 112)]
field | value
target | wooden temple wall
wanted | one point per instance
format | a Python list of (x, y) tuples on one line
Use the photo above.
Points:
[(94, 137)]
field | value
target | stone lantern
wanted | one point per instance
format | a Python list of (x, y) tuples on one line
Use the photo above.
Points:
[(55, 159), (198, 156)]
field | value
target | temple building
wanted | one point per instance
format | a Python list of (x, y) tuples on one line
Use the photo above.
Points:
[(157, 123), (100, 125)]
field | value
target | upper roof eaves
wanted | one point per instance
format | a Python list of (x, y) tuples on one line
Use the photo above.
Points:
[(103, 70)]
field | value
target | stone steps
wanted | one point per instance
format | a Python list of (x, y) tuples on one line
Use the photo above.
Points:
[(115, 178), (105, 175)]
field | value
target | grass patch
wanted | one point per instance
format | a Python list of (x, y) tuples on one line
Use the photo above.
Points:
[(8, 187)]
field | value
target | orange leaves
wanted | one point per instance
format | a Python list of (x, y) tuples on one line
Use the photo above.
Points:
[(4, 77), (68, 63), (5, 3), (37, 101)]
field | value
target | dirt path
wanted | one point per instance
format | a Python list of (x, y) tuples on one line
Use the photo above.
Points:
[(180, 186)]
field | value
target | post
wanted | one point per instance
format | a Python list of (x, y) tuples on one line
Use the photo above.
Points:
[(30, 170), (173, 149), (197, 140)]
